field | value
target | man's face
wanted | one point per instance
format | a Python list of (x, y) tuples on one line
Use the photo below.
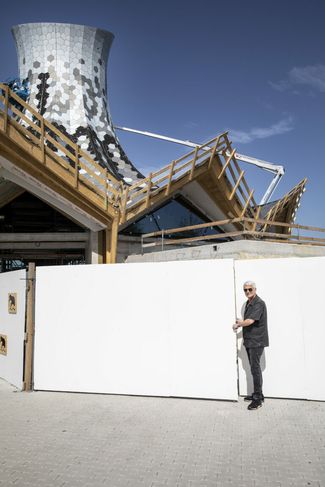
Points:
[(250, 291)]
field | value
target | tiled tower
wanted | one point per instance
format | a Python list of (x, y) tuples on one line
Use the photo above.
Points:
[(66, 67)]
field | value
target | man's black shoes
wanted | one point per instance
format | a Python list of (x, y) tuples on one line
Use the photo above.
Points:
[(250, 398), (255, 405)]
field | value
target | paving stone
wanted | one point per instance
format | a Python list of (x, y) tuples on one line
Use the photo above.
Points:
[(75, 440)]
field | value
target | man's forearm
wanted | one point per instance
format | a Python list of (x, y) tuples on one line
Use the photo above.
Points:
[(247, 322)]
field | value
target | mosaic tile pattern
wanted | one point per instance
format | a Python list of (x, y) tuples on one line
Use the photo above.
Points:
[(66, 66)]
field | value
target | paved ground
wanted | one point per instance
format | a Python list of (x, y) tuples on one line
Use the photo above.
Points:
[(59, 439)]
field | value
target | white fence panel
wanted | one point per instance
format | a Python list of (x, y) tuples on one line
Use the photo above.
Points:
[(310, 281), (202, 342), (151, 329), (12, 326), (293, 292)]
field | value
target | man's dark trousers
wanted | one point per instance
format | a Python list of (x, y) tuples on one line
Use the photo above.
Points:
[(254, 357)]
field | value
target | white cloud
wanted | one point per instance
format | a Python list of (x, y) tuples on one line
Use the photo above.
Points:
[(281, 85), (313, 76), (281, 127)]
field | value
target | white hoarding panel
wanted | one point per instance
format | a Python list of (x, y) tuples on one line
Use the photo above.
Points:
[(293, 291), (203, 345), (151, 329), (12, 326), (283, 364), (310, 281)]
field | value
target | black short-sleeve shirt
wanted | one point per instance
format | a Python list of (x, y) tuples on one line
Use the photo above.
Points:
[(256, 335)]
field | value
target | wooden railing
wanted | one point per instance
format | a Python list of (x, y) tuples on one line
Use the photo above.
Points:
[(161, 181), (53, 145), (163, 237), (64, 157)]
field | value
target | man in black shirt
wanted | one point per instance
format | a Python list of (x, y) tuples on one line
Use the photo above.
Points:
[(255, 339)]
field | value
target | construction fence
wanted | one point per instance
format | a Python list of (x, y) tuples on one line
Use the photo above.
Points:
[(165, 329)]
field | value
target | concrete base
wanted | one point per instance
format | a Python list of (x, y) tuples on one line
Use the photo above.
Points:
[(239, 249)]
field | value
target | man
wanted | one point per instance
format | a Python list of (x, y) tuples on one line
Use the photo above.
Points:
[(256, 337)]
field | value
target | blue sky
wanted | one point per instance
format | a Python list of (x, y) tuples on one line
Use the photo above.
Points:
[(191, 70)]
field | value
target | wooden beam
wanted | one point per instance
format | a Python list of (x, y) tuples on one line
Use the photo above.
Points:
[(283, 224), (111, 241), (205, 237), (257, 214), (170, 177), (247, 202), (285, 236), (5, 119), (236, 186), (213, 153), (76, 169), (29, 328), (124, 197), (193, 227), (193, 163), (54, 177), (148, 191), (228, 161)]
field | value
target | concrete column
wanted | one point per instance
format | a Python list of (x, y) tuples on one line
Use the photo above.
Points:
[(92, 253)]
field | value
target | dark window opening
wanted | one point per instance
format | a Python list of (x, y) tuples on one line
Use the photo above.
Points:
[(176, 213), (28, 214)]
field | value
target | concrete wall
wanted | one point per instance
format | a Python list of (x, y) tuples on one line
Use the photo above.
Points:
[(239, 249), (12, 325)]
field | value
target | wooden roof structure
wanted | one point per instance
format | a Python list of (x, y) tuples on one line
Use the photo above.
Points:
[(39, 158)]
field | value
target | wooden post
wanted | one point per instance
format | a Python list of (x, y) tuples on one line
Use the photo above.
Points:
[(228, 161), (247, 203), (106, 189), (236, 186), (76, 167), (196, 150), (171, 172), (149, 190), (213, 153), (257, 214), (125, 196), (43, 140), (5, 120), (29, 335), (111, 241)]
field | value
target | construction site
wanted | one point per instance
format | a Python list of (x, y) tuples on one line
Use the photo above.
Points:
[(69, 195)]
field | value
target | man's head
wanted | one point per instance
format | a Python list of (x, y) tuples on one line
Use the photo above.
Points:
[(249, 289)]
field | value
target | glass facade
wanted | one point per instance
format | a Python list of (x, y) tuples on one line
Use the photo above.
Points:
[(176, 213)]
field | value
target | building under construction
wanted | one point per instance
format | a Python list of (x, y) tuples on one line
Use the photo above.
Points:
[(68, 192)]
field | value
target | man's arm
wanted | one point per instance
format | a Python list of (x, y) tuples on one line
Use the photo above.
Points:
[(239, 323)]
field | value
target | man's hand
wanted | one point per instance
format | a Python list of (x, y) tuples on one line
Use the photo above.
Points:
[(237, 325)]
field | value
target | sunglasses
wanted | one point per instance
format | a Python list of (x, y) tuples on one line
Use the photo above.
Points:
[(248, 289)]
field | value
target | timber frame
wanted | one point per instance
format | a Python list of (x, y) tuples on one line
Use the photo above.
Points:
[(246, 232), (36, 149), (285, 208)]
